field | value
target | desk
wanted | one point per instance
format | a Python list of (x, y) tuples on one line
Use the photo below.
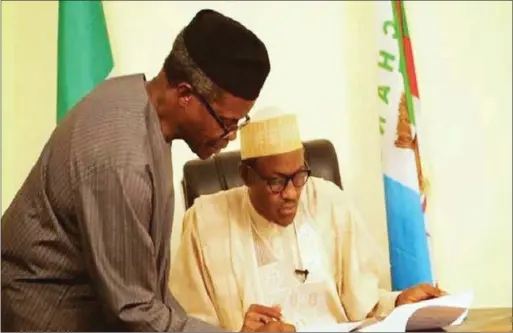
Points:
[(485, 320)]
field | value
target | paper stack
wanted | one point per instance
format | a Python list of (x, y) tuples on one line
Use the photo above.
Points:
[(435, 313)]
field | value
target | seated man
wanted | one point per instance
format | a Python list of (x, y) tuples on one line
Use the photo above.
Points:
[(286, 247)]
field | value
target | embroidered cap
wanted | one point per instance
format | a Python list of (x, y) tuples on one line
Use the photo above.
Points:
[(271, 131)]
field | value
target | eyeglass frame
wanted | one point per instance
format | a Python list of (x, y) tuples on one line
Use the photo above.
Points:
[(226, 131), (287, 179)]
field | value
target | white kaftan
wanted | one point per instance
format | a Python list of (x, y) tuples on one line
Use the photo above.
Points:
[(230, 257)]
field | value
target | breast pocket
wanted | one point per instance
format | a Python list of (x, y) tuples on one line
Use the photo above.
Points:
[(276, 277)]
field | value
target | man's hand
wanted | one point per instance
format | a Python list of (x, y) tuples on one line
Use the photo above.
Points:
[(259, 316), (419, 293), (276, 326)]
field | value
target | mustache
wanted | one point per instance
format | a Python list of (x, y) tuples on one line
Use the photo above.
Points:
[(289, 203), (214, 144)]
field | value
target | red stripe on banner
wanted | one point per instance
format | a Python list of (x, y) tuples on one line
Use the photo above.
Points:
[(408, 52), (410, 67)]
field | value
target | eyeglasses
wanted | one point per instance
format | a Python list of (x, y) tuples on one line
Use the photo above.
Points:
[(227, 130), (278, 184)]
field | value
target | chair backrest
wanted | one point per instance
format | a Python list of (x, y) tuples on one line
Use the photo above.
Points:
[(221, 172)]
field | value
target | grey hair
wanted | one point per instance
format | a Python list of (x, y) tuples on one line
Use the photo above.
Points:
[(180, 67)]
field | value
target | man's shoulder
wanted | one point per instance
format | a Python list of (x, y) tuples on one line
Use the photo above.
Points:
[(321, 187), (213, 211), (122, 83), (109, 126), (115, 100), (323, 196), (220, 202)]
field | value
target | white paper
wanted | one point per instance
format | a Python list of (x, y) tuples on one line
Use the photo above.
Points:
[(435, 313), (342, 327), (439, 312)]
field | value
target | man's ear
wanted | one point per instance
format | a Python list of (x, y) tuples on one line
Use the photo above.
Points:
[(184, 92), (244, 174)]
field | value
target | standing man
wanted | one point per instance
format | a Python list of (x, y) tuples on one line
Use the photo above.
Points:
[(85, 242)]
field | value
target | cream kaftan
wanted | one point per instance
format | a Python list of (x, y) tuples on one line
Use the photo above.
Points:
[(230, 257)]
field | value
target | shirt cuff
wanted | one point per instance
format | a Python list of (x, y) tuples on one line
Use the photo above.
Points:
[(386, 302)]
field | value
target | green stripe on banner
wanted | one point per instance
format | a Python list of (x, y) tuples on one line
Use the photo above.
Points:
[(405, 31), (84, 54), (397, 9)]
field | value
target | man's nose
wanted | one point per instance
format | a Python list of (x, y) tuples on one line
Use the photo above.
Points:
[(290, 192), (231, 136)]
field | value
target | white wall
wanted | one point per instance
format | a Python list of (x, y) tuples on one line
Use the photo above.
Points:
[(324, 69), (29, 85)]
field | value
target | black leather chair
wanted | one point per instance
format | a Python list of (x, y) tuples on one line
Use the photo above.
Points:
[(222, 171)]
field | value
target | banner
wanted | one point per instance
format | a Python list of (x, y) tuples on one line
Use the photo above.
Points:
[(404, 181), (84, 54)]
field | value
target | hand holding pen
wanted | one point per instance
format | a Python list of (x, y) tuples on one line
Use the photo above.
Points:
[(261, 318)]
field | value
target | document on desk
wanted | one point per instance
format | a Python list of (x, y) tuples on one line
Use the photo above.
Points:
[(435, 313), (342, 327)]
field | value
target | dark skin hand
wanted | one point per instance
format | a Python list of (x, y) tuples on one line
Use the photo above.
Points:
[(259, 315), (418, 293), (276, 326)]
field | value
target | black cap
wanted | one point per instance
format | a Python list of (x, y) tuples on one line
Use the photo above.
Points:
[(232, 56)]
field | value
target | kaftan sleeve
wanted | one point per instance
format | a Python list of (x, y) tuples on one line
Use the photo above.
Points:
[(114, 209), (189, 280), (362, 264)]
